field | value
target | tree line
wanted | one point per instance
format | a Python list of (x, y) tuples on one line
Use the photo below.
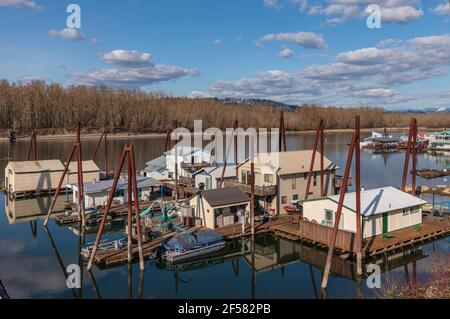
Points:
[(52, 108)]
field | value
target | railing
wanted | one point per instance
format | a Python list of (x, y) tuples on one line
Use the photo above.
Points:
[(186, 181), (345, 240), (259, 190), (339, 181), (193, 167)]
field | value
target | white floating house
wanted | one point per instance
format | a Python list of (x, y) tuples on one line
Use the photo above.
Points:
[(383, 210), (189, 160), (96, 193), (210, 176)]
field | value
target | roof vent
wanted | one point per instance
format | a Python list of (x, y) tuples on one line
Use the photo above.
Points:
[(94, 181)]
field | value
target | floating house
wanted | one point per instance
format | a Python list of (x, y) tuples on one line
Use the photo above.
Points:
[(440, 141), (156, 168), (210, 176), (220, 207), (91, 172), (189, 160), (32, 176), (96, 193), (383, 210), (281, 178)]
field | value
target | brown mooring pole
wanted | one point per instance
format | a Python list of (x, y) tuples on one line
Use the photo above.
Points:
[(252, 196), (412, 139), (338, 213), (319, 134), (282, 134), (128, 152), (75, 146), (103, 138), (227, 154), (358, 245), (33, 146), (236, 150)]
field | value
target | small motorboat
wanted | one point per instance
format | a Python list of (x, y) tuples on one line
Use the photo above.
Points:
[(191, 245)]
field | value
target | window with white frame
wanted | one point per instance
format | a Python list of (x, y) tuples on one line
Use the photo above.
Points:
[(328, 217)]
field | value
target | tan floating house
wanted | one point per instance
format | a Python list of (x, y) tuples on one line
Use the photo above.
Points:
[(91, 172), (32, 176), (281, 178), (220, 207)]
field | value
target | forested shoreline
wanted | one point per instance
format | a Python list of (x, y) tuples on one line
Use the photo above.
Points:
[(52, 108)]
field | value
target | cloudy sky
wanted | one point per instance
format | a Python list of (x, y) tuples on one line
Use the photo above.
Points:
[(292, 51)]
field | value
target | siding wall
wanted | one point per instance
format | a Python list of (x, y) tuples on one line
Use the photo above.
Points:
[(371, 226), (32, 181)]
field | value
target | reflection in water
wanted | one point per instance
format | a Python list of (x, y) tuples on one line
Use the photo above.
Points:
[(266, 267)]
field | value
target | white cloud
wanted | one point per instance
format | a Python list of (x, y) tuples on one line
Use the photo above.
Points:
[(392, 11), (402, 14), (67, 34), (304, 39), (441, 9), (286, 53), (271, 3), (19, 4), (217, 42), (127, 58), (367, 76), (134, 70), (133, 77), (199, 94)]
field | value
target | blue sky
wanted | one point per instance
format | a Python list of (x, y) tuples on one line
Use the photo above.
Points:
[(293, 51)]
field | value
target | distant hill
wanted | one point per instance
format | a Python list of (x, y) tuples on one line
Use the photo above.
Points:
[(254, 102), (424, 110)]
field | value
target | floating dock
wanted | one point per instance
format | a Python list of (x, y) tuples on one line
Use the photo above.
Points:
[(432, 173), (291, 228)]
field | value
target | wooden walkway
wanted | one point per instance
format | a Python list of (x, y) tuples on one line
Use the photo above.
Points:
[(430, 228)]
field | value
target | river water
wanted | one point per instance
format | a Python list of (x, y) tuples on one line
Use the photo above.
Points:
[(33, 260)]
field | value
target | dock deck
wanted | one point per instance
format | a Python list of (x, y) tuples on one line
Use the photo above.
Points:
[(430, 228)]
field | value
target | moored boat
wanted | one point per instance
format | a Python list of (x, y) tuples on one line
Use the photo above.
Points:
[(191, 245)]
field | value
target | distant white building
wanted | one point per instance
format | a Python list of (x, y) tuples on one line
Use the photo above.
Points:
[(210, 176), (383, 210), (96, 193), (189, 160)]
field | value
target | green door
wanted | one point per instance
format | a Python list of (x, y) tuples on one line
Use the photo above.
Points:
[(385, 223)]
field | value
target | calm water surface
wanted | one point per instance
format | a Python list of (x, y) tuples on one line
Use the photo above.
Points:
[(32, 260)]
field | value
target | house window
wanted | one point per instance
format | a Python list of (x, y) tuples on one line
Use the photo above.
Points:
[(328, 218), (283, 200), (268, 178), (295, 197), (315, 179), (305, 175), (406, 211), (294, 183)]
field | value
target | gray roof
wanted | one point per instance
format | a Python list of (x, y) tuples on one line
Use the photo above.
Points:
[(157, 164), (216, 171), (380, 200), (105, 186), (225, 196)]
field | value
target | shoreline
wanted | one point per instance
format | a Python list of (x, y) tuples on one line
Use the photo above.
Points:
[(122, 135)]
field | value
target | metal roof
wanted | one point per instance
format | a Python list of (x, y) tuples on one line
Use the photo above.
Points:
[(225, 196), (292, 162), (216, 171), (36, 166), (87, 166), (105, 186), (380, 200)]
